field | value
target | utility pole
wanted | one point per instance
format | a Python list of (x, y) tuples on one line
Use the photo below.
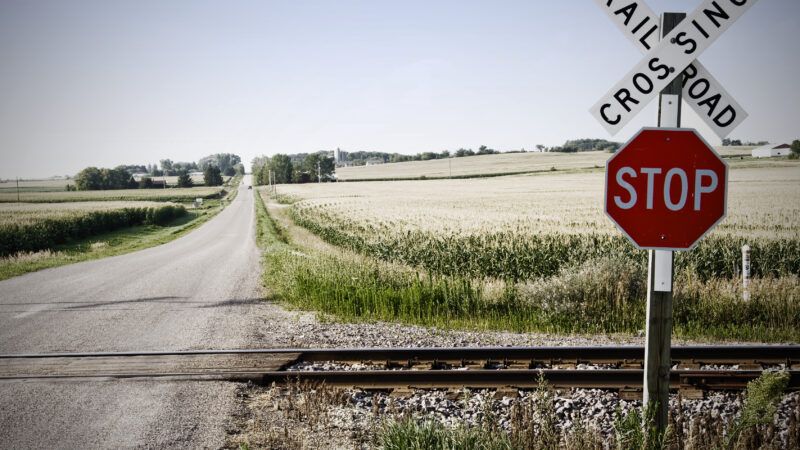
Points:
[(657, 358), (18, 190), (319, 172)]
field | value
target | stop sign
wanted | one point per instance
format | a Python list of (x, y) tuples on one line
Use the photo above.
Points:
[(666, 188)]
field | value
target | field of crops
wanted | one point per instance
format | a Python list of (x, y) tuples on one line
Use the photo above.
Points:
[(542, 242), (26, 227), (483, 165), (156, 195), (491, 165)]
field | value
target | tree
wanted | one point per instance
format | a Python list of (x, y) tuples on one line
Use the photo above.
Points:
[(184, 180), (795, 149), (282, 167), (315, 161), (464, 152), (540, 147), (117, 178), (212, 176), (221, 160), (166, 165), (229, 172), (89, 179), (93, 179)]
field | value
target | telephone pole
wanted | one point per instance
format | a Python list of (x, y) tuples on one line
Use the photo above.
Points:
[(319, 172)]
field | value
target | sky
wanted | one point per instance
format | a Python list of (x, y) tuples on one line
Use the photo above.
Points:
[(107, 82)]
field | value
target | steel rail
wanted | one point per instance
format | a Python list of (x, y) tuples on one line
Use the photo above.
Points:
[(703, 353), (558, 378)]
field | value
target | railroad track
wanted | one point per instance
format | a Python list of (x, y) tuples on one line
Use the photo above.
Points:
[(695, 368)]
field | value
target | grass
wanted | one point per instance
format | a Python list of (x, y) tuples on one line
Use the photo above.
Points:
[(113, 243)]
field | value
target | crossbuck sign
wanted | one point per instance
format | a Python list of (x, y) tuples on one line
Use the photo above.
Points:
[(674, 55)]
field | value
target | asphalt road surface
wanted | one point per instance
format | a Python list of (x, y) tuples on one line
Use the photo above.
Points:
[(198, 292)]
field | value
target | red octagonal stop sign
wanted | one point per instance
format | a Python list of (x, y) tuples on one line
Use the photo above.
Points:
[(666, 188)]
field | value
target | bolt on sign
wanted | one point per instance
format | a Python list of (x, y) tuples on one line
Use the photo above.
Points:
[(666, 188), (674, 55)]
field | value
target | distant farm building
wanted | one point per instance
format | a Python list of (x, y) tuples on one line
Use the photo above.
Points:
[(770, 150)]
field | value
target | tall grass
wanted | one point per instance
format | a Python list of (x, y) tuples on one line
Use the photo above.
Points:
[(599, 295)]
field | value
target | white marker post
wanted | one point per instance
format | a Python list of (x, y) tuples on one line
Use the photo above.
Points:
[(657, 359), (745, 272)]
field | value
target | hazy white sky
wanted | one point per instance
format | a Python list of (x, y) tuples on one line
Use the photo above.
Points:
[(112, 82)]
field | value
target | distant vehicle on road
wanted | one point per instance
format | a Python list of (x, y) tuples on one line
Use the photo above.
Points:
[(249, 187)]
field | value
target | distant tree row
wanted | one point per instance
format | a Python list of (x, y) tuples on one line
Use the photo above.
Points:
[(586, 145), (298, 168), (361, 158), (738, 142), (121, 177)]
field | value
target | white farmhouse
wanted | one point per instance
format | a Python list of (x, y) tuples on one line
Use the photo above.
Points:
[(770, 150)]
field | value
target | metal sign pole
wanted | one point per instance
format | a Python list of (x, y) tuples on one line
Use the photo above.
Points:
[(657, 360)]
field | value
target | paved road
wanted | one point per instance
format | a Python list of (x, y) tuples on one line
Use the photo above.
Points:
[(200, 291)]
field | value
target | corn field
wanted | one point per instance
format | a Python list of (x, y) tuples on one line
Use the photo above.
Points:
[(31, 227), (525, 228), (527, 253)]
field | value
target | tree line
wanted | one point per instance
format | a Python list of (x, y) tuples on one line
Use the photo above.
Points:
[(121, 177), (297, 168), (738, 142), (360, 158)]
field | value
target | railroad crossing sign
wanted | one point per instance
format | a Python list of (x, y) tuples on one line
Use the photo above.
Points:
[(674, 55), (666, 188)]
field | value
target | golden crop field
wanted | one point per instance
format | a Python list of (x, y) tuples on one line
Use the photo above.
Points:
[(168, 194), (476, 165), (487, 165), (58, 184), (762, 202)]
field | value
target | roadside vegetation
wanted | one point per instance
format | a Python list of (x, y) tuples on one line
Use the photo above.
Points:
[(528, 254)]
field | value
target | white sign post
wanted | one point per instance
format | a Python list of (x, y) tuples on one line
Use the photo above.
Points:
[(718, 109), (669, 58)]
